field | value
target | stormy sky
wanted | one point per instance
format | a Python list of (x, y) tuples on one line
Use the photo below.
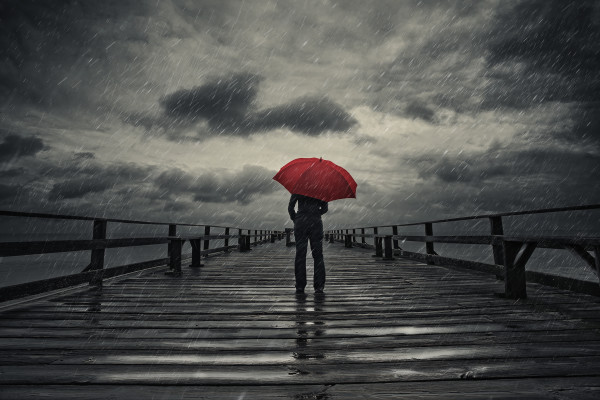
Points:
[(184, 110)]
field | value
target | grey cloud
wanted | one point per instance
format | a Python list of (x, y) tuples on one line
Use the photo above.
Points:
[(308, 115), (548, 51), (211, 187), (83, 179), (7, 191), (86, 155), (79, 187), (47, 50), (223, 102), (417, 109), (15, 146), (476, 168), (226, 104)]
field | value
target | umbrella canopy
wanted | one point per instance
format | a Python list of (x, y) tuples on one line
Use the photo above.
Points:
[(317, 178)]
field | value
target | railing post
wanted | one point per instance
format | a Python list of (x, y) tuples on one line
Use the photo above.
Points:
[(378, 246), (288, 236), (240, 240), (255, 237), (496, 229), (331, 237), (597, 261), (227, 240), (273, 237), (175, 257), (196, 253), (363, 239), (515, 284), (206, 233), (389, 252), (172, 232), (395, 233), (428, 244), (353, 235), (97, 258), (375, 232), (348, 241)]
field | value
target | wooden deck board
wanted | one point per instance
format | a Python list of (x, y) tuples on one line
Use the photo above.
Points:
[(235, 329)]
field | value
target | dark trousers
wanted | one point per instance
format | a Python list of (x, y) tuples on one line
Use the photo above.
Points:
[(309, 228)]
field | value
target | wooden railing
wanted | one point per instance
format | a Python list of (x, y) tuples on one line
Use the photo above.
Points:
[(510, 252), (95, 272)]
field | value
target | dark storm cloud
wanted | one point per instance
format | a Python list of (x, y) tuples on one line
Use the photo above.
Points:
[(548, 51), (311, 116), (7, 191), (210, 187), (509, 163), (223, 102), (78, 180), (79, 187), (15, 146), (49, 49), (86, 155), (227, 105), (417, 109)]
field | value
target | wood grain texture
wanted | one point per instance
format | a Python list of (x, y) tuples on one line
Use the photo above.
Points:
[(234, 328)]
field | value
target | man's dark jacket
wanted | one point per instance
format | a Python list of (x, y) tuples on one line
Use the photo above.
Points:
[(306, 206)]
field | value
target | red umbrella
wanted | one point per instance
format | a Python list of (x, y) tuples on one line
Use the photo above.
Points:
[(317, 178)]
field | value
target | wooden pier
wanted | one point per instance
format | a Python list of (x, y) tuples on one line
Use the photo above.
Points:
[(225, 322), (235, 329)]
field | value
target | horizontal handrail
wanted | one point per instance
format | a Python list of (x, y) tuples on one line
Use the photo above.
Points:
[(481, 216), (95, 271), (511, 251), (548, 242), (8, 213)]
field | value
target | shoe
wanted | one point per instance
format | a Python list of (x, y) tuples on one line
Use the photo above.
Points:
[(299, 291)]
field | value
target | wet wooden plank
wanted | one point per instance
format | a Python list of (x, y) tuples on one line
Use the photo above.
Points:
[(383, 329), (525, 389), (303, 373)]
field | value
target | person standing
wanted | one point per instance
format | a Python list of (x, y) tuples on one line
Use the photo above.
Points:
[(308, 226)]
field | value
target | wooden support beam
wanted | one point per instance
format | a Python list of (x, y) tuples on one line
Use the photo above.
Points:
[(288, 236), (227, 240), (581, 253), (395, 233), (172, 232), (597, 257), (175, 257), (244, 242), (429, 245), (363, 239), (207, 242), (196, 254), (528, 249), (97, 257), (378, 246), (515, 283), (375, 232), (348, 241), (496, 229), (389, 251)]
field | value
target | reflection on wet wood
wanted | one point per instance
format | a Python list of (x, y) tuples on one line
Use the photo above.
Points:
[(235, 329)]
